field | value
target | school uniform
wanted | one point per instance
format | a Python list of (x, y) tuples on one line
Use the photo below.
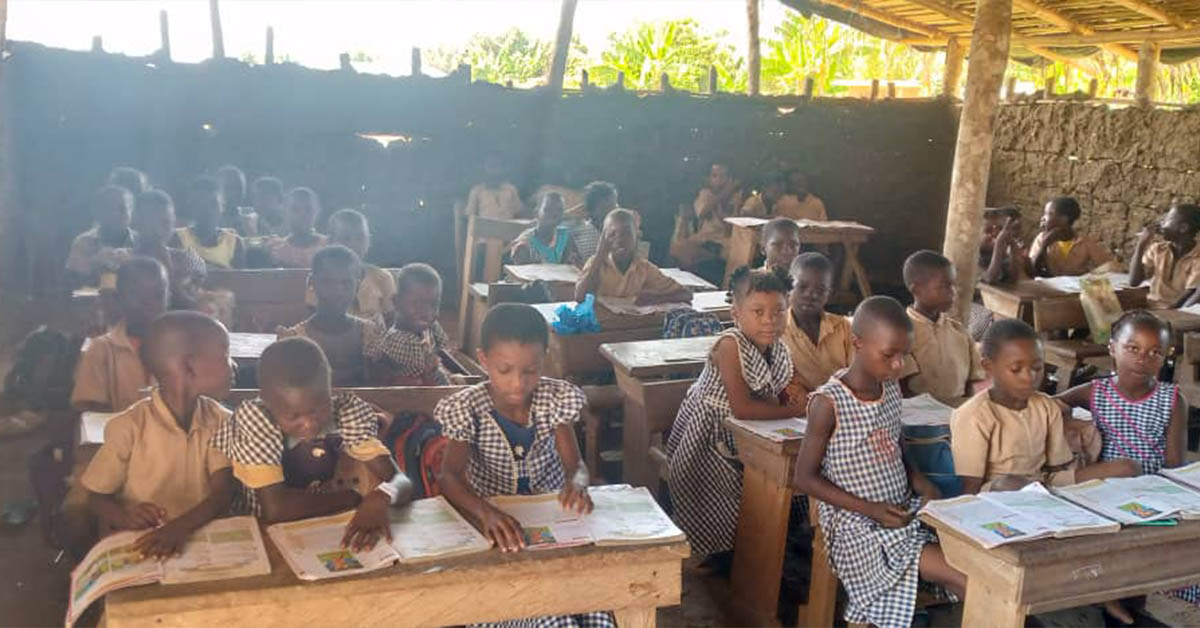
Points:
[(412, 355), (1169, 277), (642, 277), (148, 457), (705, 475), (110, 371), (557, 251), (255, 445), (92, 257), (1071, 257), (811, 208), (943, 357), (502, 201), (712, 228), (219, 255), (813, 364), (988, 440), (287, 255), (584, 234), (376, 295), (344, 351)]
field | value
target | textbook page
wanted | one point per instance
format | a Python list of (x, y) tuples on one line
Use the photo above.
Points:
[(91, 427), (924, 410), (990, 524), (1134, 500), (222, 549), (428, 529), (624, 515), (313, 548), (544, 523), (1066, 519), (777, 430), (1188, 475), (628, 307), (112, 564)]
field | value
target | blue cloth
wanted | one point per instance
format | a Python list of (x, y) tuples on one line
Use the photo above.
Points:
[(520, 438), (580, 319)]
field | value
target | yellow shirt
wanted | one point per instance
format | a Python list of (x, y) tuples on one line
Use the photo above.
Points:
[(943, 358), (812, 365), (110, 372), (221, 255), (811, 208), (988, 440), (376, 295), (642, 277), (1075, 257), (1169, 278), (147, 457)]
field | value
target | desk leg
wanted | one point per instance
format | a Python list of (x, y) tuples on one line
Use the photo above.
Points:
[(636, 617), (741, 250), (993, 587), (635, 447), (860, 273), (985, 606), (759, 547), (822, 583)]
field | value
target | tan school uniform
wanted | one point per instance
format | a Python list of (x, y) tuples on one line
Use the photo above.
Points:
[(1074, 257), (1170, 278), (642, 277), (813, 365), (811, 208), (988, 440), (110, 371), (502, 201), (943, 358)]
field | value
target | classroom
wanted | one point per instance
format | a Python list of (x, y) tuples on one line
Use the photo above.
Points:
[(600, 313)]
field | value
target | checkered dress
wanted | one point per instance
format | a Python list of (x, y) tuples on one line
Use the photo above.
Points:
[(705, 475), (877, 565), (251, 436), (586, 238), (409, 353)]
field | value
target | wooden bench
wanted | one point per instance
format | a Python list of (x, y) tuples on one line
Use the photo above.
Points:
[(560, 279), (492, 235)]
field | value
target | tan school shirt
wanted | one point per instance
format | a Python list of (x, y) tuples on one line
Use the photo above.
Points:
[(943, 358), (376, 295), (642, 277), (110, 371), (1073, 257), (988, 440), (502, 201), (1170, 278), (813, 365), (713, 228), (811, 208), (148, 457)]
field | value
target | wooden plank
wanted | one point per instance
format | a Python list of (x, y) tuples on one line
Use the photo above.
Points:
[(248, 347), (689, 280), (656, 358), (650, 408)]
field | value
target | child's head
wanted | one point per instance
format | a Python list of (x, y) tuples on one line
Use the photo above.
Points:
[(418, 296), (1060, 213), (882, 335), (349, 228), (1182, 223), (303, 207), (994, 220), (293, 375), (620, 227), (760, 303), (512, 349), (129, 178), (493, 169), (780, 242), (205, 203), (719, 176), (550, 211), (111, 208), (189, 351), (797, 183), (600, 197), (774, 186), (154, 218), (1139, 344), (812, 284), (336, 271), (141, 293), (233, 186), (1012, 357), (929, 276), (267, 195)]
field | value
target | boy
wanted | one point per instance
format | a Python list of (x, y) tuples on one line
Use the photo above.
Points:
[(298, 423), (1057, 249), (799, 203), (1002, 258), (819, 342), (616, 270), (780, 243), (155, 468), (336, 273), (299, 247), (599, 198), (220, 248), (96, 253), (233, 190), (763, 203), (110, 376), (267, 196), (377, 290), (548, 241), (154, 223), (408, 354), (1172, 263), (943, 361), (494, 197)]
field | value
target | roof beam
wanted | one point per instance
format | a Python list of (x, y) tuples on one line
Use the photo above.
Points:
[(1153, 12), (1056, 18), (1168, 39), (856, 6)]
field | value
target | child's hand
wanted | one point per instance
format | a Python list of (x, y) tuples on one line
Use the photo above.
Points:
[(888, 515), (1147, 234), (503, 529), (142, 515), (575, 497), (369, 523), (164, 542)]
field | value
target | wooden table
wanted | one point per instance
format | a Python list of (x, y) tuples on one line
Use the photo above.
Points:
[(744, 238), (1016, 300), (560, 279), (631, 581), (762, 535), (244, 346), (1009, 582), (689, 280)]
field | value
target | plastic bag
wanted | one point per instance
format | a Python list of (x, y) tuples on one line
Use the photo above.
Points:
[(580, 319), (1100, 306)]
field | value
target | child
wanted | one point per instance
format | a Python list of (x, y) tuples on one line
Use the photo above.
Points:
[(154, 222), (549, 241), (1172, 263), (408, 353), (377, 290), (851, 462), (780, 243), (155, 469), (747, 369), (616, 270), (267, 196), (943, 361), (220, 248), (1002, 260), (237, 215), (299, 247), (763, 203), (342, 337), (96, 253), (700, 240), (110, 376), (599, 198), (298, 423), (819, 342), (1057, 249), (799, 203), (129, 178), (494, 197)]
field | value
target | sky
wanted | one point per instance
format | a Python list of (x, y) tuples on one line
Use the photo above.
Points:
[(314, 32)]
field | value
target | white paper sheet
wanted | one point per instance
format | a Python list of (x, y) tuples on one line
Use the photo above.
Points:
[(624, 515), (544, 522), (1188, 475), (91, 427), (431, 528), (1070, 283), (995, 519), (222, 549), (313, 548), (1134, 500), (627, 306), (924, 410)]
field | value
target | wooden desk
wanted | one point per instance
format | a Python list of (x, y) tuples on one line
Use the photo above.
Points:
[(689, 280), (1009, 582), (248, 347), (631, 581), (1016, 300), (559, 278), (762, 535), (743, 245)]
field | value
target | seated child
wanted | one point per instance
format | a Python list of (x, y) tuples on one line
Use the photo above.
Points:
[(110, 376), (297, 422), (548, 241), (494, 197), (129, 178), (1057, 249), (780, 243), (377, 290), (1012, 434), (96, 253), (267, 196), (220, 248), (154, 223), (599, 198), (943, 360), (616, 270), (799, 203), (298, 248), (819, 342), (237, 215), (852, 462), (762, 203), (701, 234), (156, 470), (408, 353), (336, 273), (1002, 260), (1173, 262), (745, 373)]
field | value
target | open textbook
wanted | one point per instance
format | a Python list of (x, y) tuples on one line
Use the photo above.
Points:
[(623, 515), (994, 519), (1188, 475), (776, 430), (1135, 500), (426, 529), (629, 307), (1071, 283), (225, 548)]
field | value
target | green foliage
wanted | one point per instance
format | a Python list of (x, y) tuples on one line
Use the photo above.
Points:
[(679, 48), (510, 56)]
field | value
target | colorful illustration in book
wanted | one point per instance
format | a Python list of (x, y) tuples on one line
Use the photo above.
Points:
[(789, 432), (538, 535), (1139, 510), (341, 560), (1003, 530), (95, 570)]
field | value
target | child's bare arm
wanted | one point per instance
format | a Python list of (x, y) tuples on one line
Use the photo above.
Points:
[(370, 521), (501, 528), (744, 406), (1177, 432), (574, 494), (116, 515), (282, 503), (169, 539)]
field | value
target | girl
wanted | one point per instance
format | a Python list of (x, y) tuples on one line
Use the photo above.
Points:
[(1058, 249), (1172, 263), (549, 241), (747, 370), (851, 461), (298, 248), (153, 222), (220, 248)]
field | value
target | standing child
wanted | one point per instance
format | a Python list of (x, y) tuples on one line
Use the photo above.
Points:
[(96, 253), (220, 248), (377, 290), (616, 270), (780, 244), (303, 242), (745, 373), (943, 361), (1173, 262), (851, 462), (548, 241), (819, 342), (408, 354), (1058, 249)]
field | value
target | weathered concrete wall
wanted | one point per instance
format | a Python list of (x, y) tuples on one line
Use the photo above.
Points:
[(1126, 166)]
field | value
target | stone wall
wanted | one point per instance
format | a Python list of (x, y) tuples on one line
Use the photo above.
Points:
[(1125, 166)]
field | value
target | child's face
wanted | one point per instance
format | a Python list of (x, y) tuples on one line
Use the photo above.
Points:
[(155, 227), (1175, 227), (142, 302), (113, 211), (268, 202), (718, 176), (1016, 369), (550, 214), (1052, 220), (302, 213), (1140, 350), (810, 292), (936, 291), (207, 209), (992, 226), (336, 287), (355, 237), (881, 350), (760, 316), (772, 191), (513, 370), (781, 248), (621, 237), (212, 369), (301, 413), (417, 304), (603, 207), (798, 184)]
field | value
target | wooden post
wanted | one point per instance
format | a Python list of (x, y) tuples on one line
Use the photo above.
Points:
[(1010, 92), (269, 55), (164, 35), (344, 62), (712, 79), (874, 89), (1093, 88), (753, 53), (562, 45), (664, 83), (583, 80), (464, 70), (218, 37), (3, 23), (973, 154), (809, 85), (620, 80), (891, 90), (1147, 68), (954, 59), (416, 61), (97, 43)]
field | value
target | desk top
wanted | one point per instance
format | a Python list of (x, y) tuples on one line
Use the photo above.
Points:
[(1029, 289), (715, 301), (645, 358), (247, 346), (689, 280), (1180, 320), (845, 227), (553, 273)]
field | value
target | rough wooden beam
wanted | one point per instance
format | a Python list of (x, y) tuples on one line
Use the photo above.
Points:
[(3, 23), (164, 35), (1147, 70), (1058, 19), (753, 50), (97, 43), (1168, 39), (269, 54), (416, 62), (712, 79), (855, 6), (953, 68), (1154, 13), (562, 45), (849, 18), (218, 36)]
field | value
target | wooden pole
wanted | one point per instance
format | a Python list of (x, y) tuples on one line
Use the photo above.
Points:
[(620, 80), (712, 79), (874, 89), (464, 71), (954, 59), (269, 56), (891, 90), (1093, 88), (3, 24), (164, 35), (562, 45), (416, 61), (97, 43), (753, 51), (344, 62), (809, 85), (218, 37), (973, 153), (583, 80), (664, 83), (1147, 69), (1010, 92)]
